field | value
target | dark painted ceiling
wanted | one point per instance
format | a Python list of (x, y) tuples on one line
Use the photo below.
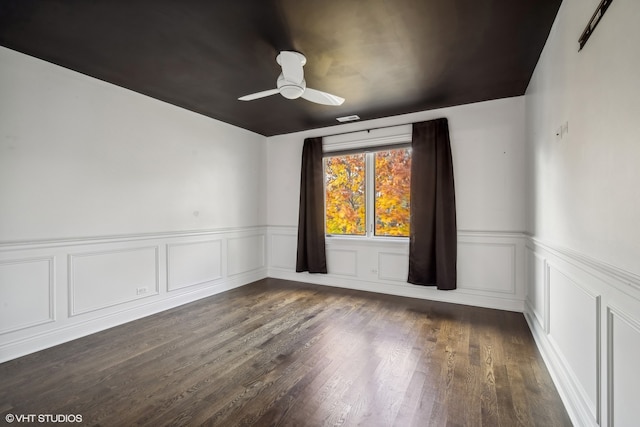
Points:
[(386, 57)]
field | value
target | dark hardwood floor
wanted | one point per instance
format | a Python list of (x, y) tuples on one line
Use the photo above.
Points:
[(286, 353)]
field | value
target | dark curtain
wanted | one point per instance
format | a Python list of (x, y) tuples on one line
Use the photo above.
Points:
[(311, 255), (433, 235)]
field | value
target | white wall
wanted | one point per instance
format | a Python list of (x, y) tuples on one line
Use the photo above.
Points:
[(583, 205), (81, 157), (487, 143), (488, 155), (114, 205), (585, 188)]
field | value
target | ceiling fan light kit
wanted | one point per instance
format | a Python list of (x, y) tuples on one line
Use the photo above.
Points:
[(291, 83), (290, 90)]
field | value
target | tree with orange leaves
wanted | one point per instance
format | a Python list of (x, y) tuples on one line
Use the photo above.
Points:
[(345, 195), (392, 197)]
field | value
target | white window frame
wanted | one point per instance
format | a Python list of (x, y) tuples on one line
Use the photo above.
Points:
[(368, 143)]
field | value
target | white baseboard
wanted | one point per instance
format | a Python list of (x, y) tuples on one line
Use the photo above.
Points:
[(490, 267), (403, 290), (60, 335), (569, 396)]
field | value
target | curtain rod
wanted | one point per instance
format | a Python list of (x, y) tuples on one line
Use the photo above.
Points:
[(368, 130)]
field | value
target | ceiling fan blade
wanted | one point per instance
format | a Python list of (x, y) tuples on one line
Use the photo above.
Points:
[(291, 63), (320, 97), (258, 95)]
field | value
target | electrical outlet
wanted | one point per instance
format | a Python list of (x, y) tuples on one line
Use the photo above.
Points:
[(141, 291)]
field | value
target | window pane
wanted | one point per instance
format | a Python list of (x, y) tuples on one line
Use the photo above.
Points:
[(392, 185), (344, 194)]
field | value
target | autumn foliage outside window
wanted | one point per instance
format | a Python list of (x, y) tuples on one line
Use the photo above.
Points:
[(392, 188), (368, 188), (345, 194)]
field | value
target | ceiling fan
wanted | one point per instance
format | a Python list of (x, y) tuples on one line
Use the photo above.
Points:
[(291, 83)]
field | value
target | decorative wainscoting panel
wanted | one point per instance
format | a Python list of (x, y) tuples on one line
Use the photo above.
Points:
[(574, 332), (623, 349), (342, 262), (58, 290), (193, 263), (490, 267), (103, 279), (282, 251), (487, 266), (245, 254), (537, 287), (27, 290), (393, 266), (592, 342)]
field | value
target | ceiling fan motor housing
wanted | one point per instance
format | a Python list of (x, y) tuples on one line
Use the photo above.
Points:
[(291, 90)]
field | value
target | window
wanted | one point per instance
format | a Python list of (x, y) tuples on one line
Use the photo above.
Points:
[(367, 193)]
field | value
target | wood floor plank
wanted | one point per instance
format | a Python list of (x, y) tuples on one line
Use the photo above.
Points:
[(290, 354), (424, 376)]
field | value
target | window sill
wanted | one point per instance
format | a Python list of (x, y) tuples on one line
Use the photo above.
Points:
[(367, 241)]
